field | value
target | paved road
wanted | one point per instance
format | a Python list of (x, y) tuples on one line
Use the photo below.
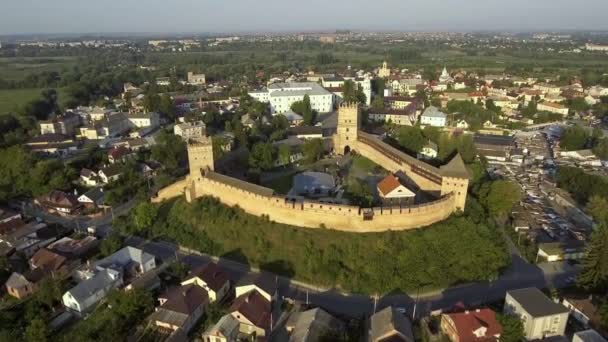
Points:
[(520, 274)]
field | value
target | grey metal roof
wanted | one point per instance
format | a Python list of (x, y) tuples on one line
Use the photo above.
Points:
[(297, 89), (86, 288), (313, 324), (125, 256), (95, 194), (536, 303), (433, 112), (389, 322)]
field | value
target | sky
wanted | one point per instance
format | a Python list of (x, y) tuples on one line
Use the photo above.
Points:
[(216, 16)]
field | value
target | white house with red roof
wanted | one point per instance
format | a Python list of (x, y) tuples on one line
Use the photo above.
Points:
[(391, 190)]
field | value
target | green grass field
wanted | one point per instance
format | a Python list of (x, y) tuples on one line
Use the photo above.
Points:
[(17, 68), (11, 100)]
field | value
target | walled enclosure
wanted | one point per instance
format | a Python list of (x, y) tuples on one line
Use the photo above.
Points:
[(449, 183)]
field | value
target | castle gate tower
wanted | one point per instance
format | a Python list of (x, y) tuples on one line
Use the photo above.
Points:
[(348, 127)]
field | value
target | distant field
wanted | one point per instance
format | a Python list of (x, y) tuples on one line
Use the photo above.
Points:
[(11, 100), (16, 68)]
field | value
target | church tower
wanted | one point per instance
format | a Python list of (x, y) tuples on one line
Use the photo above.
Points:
[(348, 127), (384, 71), (200, 156)]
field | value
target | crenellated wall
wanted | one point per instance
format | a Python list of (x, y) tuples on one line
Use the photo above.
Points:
[(313, 214), (448, 183)]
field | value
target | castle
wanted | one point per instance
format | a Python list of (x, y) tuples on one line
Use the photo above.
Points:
[(447, 184)]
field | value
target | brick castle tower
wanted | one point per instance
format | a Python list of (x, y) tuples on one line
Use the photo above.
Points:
[(348, 127)]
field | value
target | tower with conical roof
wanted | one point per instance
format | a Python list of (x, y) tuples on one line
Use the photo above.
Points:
[(455, 180)]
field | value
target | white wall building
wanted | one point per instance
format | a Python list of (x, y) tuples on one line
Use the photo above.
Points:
[(433, 117), (282, 95), (540, 316)]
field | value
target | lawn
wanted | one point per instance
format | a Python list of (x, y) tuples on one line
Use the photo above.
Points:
[(16, 68), (450, 252), (12, 99)]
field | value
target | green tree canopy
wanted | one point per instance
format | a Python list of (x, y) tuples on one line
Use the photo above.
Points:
[(512, 328), (574, 138), (313, 150), (594, 275), (261, 156)]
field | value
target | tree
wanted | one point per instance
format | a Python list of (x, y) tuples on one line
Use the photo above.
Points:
[(313, 150), (144, 215), (169, 150), (110, 244), (411, 138), (378, 103), (167, 106), (598, 208), (574, 138), (304, 108), (499, 197), (594, 275), (351, 92), (284, 154), (37, 331), (261, 156), (601, 149), (512, 328), (49, 292)]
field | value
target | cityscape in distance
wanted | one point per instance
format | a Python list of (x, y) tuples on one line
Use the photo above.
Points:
[(330, 171)]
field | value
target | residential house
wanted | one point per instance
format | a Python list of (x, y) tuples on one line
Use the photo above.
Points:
[(389, 325), (65, 124), (22, 286), (557, 251), (398, 102), (119, 154), (553, 108), (59, 201), (471, 326), (225, 330), (83, 297), (433, 117), (88, 177), (265, 284), (293, 118), (93, 198), (132, 261), (110, 174), (51, 263), (140, 120), (584, 309), (181, 308), (540, 316), (190, 130), (401, 117), (196, 79), (429, 151), (252, 309), (462, 124), (494, 147), (392, 191), (73, 249), (589, 335), (53, 144), (313, 325), (212, 278)]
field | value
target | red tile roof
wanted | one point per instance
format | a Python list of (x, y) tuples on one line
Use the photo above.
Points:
[(388, 184), (254, 307), (47, 260), (469, 321), (212, 275), (185, 299)]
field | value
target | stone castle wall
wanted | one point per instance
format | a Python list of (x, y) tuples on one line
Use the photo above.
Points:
[(314, 214), (256, 200)]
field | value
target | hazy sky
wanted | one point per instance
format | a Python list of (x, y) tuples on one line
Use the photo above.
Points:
[(86, 16)]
